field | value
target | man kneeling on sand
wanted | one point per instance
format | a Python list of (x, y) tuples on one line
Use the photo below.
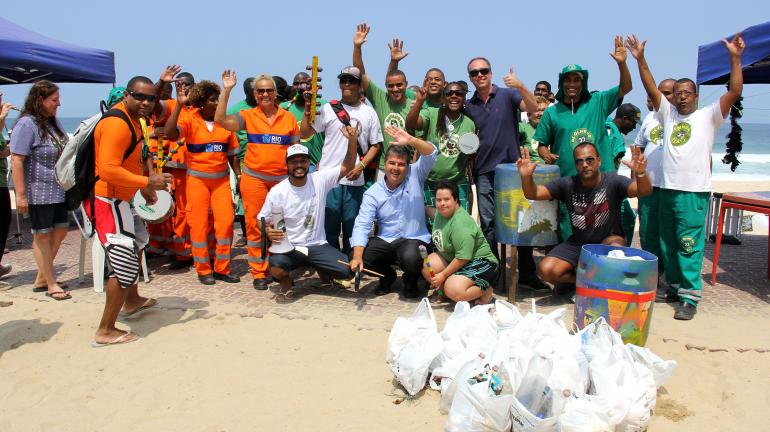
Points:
[(301, 198)]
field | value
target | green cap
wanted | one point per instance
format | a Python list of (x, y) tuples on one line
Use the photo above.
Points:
[(116, 95), (573, 68)]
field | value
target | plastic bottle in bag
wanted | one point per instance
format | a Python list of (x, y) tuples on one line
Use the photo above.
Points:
[(531, 392), (544, 410), (283, 246)]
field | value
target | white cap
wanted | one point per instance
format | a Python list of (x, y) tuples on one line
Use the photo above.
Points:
[(296, 149)]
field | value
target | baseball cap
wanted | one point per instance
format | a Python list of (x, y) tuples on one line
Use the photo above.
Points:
[(630, 111), (296, 149), (350, 71)]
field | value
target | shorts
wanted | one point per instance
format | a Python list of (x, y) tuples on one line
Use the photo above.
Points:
[(481, 271), (123, 235), (323, 258), (568, 251), (46, 217)]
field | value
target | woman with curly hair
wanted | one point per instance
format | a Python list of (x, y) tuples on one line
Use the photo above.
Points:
[(37, 142), (210, 148)]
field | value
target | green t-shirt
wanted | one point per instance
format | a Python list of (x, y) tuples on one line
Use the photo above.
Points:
[(3, 165), (460, 237), (315, 143), (241, 134), (563, 130), (615, 138), (450, 164), (527, 133), (388, 113)]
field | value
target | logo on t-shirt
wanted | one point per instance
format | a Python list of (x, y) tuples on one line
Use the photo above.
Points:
[(686, 243), (580, 136), (438, 240), (681, 134), (395, 120), (447, 144), (656, 134)]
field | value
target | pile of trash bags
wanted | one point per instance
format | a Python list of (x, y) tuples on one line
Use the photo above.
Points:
[(499, 370)]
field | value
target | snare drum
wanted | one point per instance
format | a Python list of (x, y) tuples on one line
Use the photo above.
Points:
[(155, 213), (468, 143)]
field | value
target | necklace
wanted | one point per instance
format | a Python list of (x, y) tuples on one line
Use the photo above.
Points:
[(450, 124)]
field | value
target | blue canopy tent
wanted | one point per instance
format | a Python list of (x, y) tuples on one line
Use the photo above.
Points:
[(26, 56), (714, 61)]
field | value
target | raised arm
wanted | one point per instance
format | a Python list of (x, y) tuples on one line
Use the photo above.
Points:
[(402, 137), (619, 55), (229, 122), (167, 76), (359, 38), (637, 50), (170, 128), (413, 119), (526, 169), (640, 184), (528, 103), (306, 129), (351, 133), (396, 54), (735, 47)]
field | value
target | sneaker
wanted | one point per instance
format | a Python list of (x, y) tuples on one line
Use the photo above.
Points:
[(241, 242), (206, 279), (260, 284), (5, 269), (226, 278), (666, 296), (535, 284), (685, 311), (179, 264)]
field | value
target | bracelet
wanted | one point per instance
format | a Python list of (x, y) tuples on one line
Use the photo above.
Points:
[(361, 165), (641, 175)]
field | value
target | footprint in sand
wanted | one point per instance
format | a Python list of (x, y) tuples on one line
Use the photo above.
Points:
[(672, 410)]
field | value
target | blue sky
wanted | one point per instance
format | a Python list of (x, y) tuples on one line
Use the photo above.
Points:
[(538, 38)]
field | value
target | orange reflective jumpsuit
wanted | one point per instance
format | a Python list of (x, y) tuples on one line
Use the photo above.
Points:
[(263, 167), (161, 234), (208, 190)]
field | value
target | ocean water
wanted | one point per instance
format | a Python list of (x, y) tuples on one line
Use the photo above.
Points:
[(754, 158)]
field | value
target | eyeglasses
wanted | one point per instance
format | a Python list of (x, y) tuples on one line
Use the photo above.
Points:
[(685, 93), (475, 72), (348, 80), (141, 97), (454, 93), (589, 160), (265, 91)]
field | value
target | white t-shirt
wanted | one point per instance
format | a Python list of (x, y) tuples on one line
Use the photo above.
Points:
[(336, 145), (303, 207), (687, 144), (650, 138)]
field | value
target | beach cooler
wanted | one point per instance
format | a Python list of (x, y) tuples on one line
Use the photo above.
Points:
[(622, 290), (519, 221)]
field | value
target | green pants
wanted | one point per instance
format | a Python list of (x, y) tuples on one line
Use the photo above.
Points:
[(649, 235), (627, 221), (682, 240)]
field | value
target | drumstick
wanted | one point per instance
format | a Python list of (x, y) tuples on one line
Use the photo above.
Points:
[(171, 153), (373, 273)]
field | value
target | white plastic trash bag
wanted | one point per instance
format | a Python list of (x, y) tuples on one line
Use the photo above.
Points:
[(662, 370), (412, 345), (482, 403), (524, 421)]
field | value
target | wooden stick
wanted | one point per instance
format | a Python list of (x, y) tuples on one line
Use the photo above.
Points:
[(373, 273)]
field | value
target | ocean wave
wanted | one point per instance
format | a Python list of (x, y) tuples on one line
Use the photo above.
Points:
[(753, 158)]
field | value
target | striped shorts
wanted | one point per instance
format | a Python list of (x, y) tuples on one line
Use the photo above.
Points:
[(123, 235)]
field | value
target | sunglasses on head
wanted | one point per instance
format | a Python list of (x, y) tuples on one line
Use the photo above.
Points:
[(141, 97), (475, 72), (460, 93), (589, 160)]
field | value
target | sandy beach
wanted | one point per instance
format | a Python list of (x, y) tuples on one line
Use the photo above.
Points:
[(221, 365)]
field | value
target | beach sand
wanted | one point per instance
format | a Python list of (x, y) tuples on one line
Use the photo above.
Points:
[(214, 369)]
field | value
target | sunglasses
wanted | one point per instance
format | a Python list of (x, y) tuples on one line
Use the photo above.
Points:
[(475, 72), (348, 80), (265, 91), (454, 93), (588, 160), (141, 97)]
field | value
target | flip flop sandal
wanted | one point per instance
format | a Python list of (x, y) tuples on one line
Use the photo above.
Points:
[(57, 295), (150, 303), (285, 297), (117, 341), (44, 288)]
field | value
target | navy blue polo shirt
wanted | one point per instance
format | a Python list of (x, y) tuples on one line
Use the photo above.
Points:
[(497, 122)]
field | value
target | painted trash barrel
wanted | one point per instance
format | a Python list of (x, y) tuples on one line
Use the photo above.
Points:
[(519, 221), (621, 290)]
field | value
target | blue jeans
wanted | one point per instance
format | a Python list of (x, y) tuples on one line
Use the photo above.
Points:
[(342, 205)]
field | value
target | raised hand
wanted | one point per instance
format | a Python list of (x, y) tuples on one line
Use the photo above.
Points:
[(351, 132), (183, 96), (636, 47), (401, 136), (620, 53), (736, 46), (168, 74), (525, 165), (397, 50), (420, 95), (359, 38), (229, 80), (638, 163), (6, 108), (511, 80)]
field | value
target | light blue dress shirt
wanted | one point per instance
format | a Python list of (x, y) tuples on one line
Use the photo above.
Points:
[(399, 212)]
